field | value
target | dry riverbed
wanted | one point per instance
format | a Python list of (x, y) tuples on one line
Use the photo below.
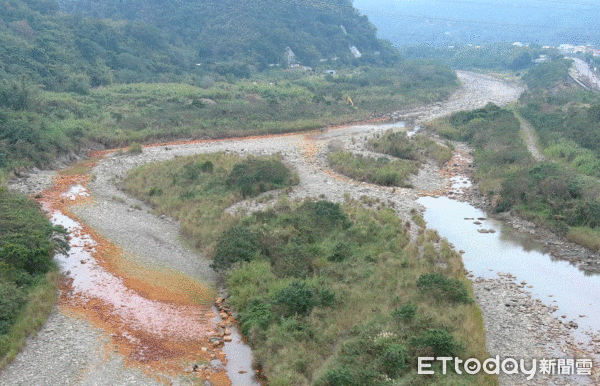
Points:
[(93, 352)]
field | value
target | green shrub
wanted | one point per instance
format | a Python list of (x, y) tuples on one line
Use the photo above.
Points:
[(439, 341), (236, 245), (394, 360), (12, 298), (36, 261), (329, 215), (14, 96), (255, 176), (325, 297), (291, 260), (405, 313), (256, 315), (340, 376), (438, 285), (340, 253), (314, 220), (297, 298), (193, 170)]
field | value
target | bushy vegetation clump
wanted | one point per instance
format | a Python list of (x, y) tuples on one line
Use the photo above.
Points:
[(381, 171), (443, 287), (197, 189), (417, 148), (255, 176), (440, 342), (236, 245), (27, 270)]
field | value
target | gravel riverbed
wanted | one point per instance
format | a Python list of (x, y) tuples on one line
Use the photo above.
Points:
[(81, 354)]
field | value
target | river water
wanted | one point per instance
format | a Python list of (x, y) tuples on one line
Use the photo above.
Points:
[(135, 311), (555, 282)]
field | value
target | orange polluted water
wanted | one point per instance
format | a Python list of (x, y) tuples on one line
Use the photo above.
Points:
[(159, 321)]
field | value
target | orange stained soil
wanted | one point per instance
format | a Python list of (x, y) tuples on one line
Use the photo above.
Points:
[(159, 320), (101, 153), (460, 165), (309, 149)]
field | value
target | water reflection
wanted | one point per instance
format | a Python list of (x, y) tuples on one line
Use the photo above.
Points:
[(412, 131), (239, 358), (90, 281), (554, 281)]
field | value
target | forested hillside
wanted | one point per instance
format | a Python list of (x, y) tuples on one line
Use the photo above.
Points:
[(255, 32), (63, 76), (72, 53), (167, 41)]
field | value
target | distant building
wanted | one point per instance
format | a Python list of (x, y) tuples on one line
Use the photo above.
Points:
[(331, 72)]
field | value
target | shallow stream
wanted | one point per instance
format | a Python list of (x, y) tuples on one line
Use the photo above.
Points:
[(555, 282)]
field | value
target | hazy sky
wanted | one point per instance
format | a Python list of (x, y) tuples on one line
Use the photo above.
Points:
[(471, 21)]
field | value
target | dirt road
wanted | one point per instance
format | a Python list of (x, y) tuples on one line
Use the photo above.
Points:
[(530, 138)]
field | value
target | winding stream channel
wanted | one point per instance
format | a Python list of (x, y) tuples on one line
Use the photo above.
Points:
[(143, 300)]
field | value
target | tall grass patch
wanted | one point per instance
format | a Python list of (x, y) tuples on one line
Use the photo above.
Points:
[(588, 237), (381, 171), (196, 190), (417, 148)]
